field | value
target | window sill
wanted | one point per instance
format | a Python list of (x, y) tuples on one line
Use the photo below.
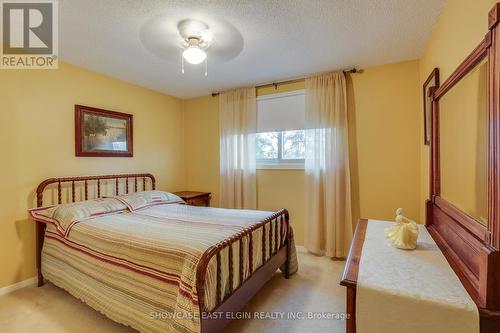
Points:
[(284, 166)]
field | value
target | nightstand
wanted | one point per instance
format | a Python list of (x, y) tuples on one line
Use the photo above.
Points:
[(195, 198)]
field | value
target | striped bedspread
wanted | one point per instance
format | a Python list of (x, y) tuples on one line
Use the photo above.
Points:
[(139, 268)]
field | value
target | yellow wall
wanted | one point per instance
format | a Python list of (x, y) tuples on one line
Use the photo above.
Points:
[(389, 163), (460, 28), (384, 148), (201, 137), (37, 140), (384, 141)]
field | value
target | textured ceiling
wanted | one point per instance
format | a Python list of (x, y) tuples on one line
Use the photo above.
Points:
[(273, 39)]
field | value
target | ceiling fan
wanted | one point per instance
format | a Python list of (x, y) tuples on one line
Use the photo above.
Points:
[(196, 40)]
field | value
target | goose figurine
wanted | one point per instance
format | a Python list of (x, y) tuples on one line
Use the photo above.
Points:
[(404, 234)]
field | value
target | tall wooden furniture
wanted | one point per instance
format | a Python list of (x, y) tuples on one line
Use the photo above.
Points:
[(469, 241), (471, 245)]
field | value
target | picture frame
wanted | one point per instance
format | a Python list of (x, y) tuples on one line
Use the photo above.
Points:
[(432, 81), (103, 133)]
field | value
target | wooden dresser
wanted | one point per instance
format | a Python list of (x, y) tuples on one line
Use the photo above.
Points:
[(468, 240), (489, 319), (195, 198)]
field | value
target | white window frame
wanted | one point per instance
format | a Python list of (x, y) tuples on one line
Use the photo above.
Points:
[(280, 163)]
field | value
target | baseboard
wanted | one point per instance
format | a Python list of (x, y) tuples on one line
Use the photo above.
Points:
[(300, 249), (23, 284)]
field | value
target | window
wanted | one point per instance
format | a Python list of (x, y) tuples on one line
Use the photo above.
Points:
[(280, 141), (285, 148)]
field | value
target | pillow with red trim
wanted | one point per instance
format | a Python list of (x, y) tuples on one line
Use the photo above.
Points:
[(66, 215), (139, 200)]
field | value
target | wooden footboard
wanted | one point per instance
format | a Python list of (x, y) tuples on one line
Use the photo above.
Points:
[(235, 300)]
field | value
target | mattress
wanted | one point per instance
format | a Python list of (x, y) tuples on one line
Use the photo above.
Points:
[(139, 268)]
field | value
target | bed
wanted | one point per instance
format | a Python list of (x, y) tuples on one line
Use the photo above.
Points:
[(165, 267)]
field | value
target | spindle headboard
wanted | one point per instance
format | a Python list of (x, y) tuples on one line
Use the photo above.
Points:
[(139, 179)]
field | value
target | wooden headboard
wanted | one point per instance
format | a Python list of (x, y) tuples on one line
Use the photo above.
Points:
[(129, 183), (471, 248), (139, 179)]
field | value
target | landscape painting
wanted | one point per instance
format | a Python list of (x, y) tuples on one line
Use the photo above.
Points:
[(102, 133)]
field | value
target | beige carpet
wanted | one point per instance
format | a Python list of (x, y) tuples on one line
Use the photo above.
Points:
[(314, 289)]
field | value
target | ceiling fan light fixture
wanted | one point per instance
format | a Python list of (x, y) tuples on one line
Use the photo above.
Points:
[(194, 54)]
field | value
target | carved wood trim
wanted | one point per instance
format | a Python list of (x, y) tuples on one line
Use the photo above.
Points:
[(494, 139), (435, 168), (494, 16), (468, 277), (465, 221)]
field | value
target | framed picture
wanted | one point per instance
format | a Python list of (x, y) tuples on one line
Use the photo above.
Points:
[(432, 81), (102, 133)]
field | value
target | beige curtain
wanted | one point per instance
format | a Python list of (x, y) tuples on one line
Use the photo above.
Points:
[(328, 229), (238, 122)]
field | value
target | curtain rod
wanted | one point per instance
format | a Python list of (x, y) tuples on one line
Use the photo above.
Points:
[(276, 84)]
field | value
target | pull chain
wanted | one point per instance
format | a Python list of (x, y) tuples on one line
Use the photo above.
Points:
[(182, 66)]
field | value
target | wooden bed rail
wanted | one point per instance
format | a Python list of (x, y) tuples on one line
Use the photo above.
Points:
[(278, 238)]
